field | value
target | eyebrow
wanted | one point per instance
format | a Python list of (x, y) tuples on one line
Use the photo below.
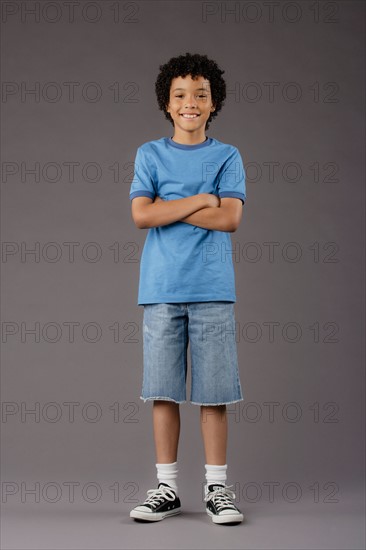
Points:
[(197, 89)]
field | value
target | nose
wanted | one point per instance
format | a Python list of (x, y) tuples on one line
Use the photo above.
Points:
[(190, 102)]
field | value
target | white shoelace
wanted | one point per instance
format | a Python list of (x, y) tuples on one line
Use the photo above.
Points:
[(157, 496), (222, 497)]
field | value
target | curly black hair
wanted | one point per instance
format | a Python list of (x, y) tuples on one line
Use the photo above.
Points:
[(194, 65)]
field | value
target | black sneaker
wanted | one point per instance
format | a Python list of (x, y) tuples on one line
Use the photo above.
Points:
[(161, 503), (220, 506)]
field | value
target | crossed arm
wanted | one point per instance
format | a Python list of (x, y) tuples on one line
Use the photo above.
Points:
[(203, 210)]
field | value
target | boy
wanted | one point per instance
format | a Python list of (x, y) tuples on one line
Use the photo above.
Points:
[(189, 191)]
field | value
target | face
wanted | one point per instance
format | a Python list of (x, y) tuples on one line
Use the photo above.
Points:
[(190, 104)]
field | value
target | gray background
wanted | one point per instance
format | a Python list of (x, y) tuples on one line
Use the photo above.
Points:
[(312, 207)]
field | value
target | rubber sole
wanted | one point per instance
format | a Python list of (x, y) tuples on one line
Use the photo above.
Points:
[(227, 518), (150, 516)]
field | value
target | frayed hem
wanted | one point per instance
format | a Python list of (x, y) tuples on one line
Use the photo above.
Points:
[(160, 398), (213, 404)]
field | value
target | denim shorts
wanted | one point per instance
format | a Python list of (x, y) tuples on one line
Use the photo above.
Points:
[(209, 327)]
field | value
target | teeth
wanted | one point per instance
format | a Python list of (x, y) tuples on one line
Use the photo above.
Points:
[(189, 116)]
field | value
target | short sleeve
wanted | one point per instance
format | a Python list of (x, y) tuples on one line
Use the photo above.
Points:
[(142, 184), (232, 178)]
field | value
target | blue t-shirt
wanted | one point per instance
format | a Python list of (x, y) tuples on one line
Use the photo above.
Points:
[(181, 262)]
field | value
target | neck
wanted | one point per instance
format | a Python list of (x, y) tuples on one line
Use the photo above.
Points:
[(189, 138)]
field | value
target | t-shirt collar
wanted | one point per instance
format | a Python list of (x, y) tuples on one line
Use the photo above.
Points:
[(189, 147)]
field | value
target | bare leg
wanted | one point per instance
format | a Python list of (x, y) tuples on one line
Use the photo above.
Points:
[(214, 433), (166, 421)]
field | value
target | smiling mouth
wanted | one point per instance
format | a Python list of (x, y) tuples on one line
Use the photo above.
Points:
[(185, 115)]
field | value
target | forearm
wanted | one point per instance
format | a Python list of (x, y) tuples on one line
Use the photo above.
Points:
[(210, 218), (163, 212)]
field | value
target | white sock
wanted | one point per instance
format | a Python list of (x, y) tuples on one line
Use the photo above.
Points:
[(168, 473), (215, 474)]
